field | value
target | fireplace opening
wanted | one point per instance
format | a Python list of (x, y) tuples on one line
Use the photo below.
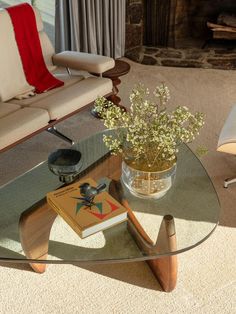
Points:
[(184, 33), (184, 23)]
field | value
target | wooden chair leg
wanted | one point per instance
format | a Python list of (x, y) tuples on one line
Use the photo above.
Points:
[(35, 226)]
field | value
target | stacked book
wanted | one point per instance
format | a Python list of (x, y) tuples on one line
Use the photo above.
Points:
[(86, 217)]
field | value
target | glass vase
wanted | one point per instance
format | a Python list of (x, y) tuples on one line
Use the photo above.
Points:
[(148, 184)]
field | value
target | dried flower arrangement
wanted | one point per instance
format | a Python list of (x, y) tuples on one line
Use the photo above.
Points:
[(148, 135)]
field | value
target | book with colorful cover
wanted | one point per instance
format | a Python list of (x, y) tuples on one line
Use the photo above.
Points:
[(104, 213)]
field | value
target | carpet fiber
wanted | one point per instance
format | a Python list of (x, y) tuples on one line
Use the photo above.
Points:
[(207, 274)]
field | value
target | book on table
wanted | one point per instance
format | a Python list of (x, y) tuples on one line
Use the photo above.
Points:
[(104, 213)]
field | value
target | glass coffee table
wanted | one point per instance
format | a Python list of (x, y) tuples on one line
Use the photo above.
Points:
[(155, 232)]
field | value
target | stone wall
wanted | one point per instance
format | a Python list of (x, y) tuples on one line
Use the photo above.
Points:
[(187, 21), (134, 25)]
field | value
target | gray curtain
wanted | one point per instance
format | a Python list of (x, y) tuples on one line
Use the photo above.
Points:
[(94, 26)]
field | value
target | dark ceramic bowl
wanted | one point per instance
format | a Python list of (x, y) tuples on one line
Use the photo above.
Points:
[(65, 162)]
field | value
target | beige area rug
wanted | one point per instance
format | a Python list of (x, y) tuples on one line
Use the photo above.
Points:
[(207, 274)]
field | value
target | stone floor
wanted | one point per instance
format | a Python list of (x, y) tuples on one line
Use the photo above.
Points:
[(208, 58)]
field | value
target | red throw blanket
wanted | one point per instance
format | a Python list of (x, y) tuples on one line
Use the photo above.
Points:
[(28, 42)]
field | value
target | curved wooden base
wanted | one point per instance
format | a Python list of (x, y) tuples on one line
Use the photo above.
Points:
[(164, 268), (35, 226), (35, 223)]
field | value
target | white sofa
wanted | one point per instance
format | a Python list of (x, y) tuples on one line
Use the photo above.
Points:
[(21, 119)]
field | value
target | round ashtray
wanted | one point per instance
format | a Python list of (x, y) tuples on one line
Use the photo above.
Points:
[(65, 162)]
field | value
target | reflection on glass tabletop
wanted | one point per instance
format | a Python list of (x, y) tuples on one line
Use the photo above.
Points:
[(192, 201)]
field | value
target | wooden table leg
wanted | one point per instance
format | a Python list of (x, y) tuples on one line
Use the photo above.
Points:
[(114, 97), (35, 226), (121, 68), (164, 268)]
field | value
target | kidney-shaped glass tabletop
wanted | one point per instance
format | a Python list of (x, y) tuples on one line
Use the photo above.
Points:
[(190, 210)]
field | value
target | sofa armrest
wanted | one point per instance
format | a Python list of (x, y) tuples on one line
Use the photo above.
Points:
[(83, 61)]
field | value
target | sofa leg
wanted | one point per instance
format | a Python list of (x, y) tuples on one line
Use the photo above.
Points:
[(53, 130), (68, 71), (229, 181)]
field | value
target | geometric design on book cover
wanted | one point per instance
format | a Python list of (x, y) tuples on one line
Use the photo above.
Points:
[(97, 209)]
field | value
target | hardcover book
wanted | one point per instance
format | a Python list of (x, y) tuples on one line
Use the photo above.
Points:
[(104, 212)]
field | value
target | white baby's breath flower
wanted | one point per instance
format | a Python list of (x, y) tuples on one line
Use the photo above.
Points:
[(151, 132)]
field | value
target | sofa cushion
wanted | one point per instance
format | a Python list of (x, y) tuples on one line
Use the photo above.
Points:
[(74, 97), (62, 75), (6, 109), (38, 18), (10, 60), (47, 50), (12, 75), (47, 47), (21, 123)]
